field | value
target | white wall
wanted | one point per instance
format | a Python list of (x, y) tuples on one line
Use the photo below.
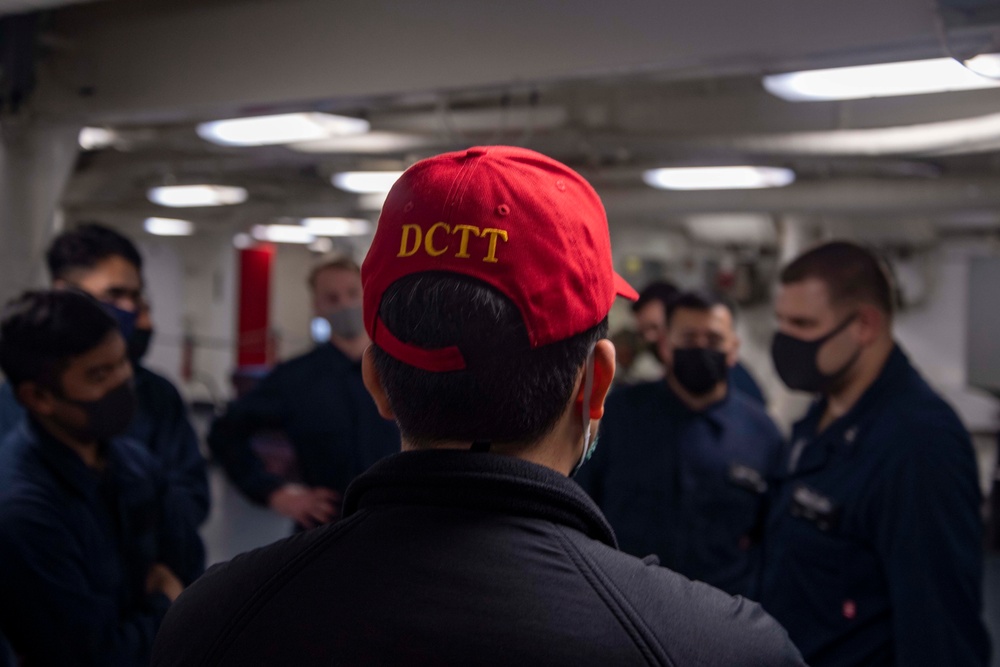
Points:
[(164, 275), (210, 279), (291, 305)]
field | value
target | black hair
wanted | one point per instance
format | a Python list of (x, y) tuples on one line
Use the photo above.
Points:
[(86, 245), (850, 272), (660, 291), (700, 300), (41, 332), (507, 394)]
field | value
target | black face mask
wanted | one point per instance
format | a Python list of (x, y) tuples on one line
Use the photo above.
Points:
[(796, 361), (699, 369), (108, 416), (138, 344)]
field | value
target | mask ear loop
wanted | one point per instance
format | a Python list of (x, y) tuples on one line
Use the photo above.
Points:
[(588, 394)]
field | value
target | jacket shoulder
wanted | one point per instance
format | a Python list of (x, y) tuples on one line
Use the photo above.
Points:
[(202, 621), (689, 622), (156, 382)]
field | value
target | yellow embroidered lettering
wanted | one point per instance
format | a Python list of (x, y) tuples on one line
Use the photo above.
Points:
[(429, 239), (494, 234), (463, 246), (418, 233)]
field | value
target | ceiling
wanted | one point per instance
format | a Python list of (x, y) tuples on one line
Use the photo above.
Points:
[(611, 89)]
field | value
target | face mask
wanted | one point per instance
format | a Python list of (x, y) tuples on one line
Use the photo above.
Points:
[(796, 361), (589, 446), (138, 344), (125, 318), (108, 416), (347, 322), (699, 370)]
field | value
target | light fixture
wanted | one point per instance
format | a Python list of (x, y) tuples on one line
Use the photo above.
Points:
[(337, 226), (169, 227), (728, 228), (322, 245), (287, 128), (183, 196), (718, 178), (372, 142), (914, 77), (365, 182), (986, 64), (373, 201), (283, 234), (242, 241), (96, 138)]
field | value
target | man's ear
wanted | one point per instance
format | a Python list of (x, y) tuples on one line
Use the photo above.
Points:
[(373, 383), (35, 398), (872, 321), (604, 375)]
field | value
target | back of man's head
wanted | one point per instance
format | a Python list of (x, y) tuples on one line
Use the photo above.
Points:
[(851, 273), (659, 291), (41, 332), (85, 246), (488, 283)]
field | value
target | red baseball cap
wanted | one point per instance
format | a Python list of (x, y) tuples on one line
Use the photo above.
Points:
[(519, 221)]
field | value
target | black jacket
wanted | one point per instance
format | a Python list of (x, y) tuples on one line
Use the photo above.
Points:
[(76, 546), (459, 558), (320, 402), (161, 425)]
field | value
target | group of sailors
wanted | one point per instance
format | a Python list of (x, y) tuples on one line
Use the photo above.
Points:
[(861, 535)]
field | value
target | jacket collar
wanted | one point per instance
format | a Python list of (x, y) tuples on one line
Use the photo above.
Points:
[(846, 430), (482, 481), (716, 413), (64, 463)]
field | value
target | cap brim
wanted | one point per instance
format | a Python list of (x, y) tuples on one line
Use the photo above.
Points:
[(623, 289)]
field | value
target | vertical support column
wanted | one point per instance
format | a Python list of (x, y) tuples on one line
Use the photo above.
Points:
[(36, 161), (794, 235), (254, 306)]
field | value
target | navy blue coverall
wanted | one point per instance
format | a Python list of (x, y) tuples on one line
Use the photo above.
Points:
[(76, 546), (161, 425), (687, 486), (873, 548), (320, 402), (741, 380)]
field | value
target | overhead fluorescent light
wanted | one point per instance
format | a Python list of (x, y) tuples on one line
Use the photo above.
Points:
[(283, 234), (337, 226), (372, 142), (242, 241), (729, 228), (169, 227), (950, 137), (322, 245), (915, 77), (365, 182), (718, 178), (183, 196), (986, 64), (96, 138), (373, 201), (288, 128)]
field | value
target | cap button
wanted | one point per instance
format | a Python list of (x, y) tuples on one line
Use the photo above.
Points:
[(475, 152)]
